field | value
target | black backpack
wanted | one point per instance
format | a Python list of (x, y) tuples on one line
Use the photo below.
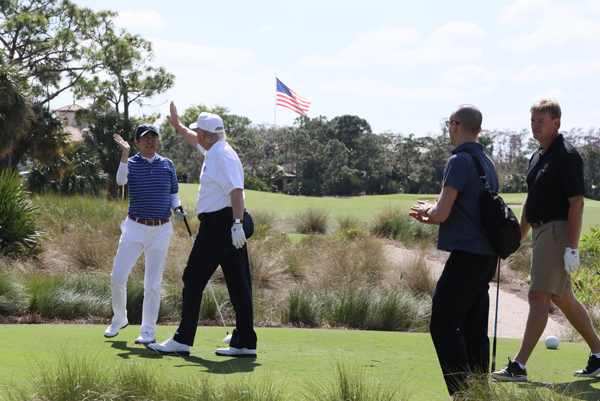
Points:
[(501, 225)]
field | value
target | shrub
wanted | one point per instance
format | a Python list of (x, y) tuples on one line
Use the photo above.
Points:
[(255, 184), (314, 219), (18, 235)]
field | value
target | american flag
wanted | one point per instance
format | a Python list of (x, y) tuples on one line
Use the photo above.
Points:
[(288, 98)]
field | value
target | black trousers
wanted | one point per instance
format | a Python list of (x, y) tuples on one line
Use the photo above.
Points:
[(212, 248), (459, 317)]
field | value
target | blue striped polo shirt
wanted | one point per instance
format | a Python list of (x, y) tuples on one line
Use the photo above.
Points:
[(150, 187)]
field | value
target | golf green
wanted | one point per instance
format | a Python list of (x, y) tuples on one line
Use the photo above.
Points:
[(294, 359)]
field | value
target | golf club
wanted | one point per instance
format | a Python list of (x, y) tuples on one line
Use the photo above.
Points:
[(496, 319), (227, 339)]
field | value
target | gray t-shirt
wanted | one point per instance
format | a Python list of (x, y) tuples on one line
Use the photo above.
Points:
[(463, 229)]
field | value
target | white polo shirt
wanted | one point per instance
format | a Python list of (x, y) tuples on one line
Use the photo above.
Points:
[(222, 172)]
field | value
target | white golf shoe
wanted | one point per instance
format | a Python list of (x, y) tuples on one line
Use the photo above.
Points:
[(145, 338), (113, 330), (170, 347), (241, 352)]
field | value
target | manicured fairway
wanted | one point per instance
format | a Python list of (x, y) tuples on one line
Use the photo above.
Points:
[(364, 207), (293, 359)]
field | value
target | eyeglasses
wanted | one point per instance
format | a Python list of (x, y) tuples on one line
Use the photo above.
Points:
[(450, 122), (149, 138)]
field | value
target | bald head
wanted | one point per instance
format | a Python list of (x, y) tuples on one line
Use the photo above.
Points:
[(469, 117)]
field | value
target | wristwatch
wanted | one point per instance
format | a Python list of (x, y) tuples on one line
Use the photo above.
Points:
[(237, 221), (426, 210)]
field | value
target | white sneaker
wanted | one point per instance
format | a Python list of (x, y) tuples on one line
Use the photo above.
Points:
[(236, 352), (113, 330), (145, 338), (170, 347)]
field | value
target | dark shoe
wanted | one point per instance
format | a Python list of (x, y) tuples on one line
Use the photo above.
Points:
[(512, 372), (592, 368)]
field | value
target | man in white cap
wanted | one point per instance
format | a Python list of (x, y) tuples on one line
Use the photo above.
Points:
[(221, 239), (153, 192)]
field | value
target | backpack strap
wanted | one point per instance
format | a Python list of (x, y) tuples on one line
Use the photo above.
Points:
[(480, 170)]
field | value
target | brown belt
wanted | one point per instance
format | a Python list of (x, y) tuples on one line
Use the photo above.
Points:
[(149, 222)]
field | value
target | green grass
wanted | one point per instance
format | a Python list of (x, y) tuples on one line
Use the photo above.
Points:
[(363, 207), (293, 359)]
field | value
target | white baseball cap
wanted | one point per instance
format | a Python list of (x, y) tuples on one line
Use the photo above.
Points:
[(208, 122)]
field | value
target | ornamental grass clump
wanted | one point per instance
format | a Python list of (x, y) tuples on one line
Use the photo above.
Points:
[(18, 234), (312, 220)]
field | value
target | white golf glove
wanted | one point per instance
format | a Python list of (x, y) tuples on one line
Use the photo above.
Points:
[(571, 260), (179, 214), (238, 237)]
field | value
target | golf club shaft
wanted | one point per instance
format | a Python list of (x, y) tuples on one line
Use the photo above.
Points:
[(496, 320), (209, 286)]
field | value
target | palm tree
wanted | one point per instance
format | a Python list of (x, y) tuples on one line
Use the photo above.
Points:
[(14, 106)]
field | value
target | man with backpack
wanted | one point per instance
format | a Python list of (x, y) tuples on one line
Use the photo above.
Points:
[(460, 305), (554, 210)]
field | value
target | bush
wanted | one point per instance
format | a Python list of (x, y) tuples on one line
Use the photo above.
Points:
[(18, 235), (395, 224), (312, 220), (255, 184)]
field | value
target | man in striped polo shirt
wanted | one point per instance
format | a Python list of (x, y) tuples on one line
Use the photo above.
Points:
[(153, 192)]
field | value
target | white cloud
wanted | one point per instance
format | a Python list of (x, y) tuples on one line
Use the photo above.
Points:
[(185, 55), (556, 29), (562, 96), (455, 34), (393, 46), (472, 75), (368, 88), (524, 11), (561, 70), (130, 19), (592, 5), (266, 28)]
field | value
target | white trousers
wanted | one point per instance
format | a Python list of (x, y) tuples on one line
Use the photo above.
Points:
[(135, 239)]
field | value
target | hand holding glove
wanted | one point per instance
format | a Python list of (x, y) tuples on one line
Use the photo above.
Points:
[(571, 260), (238, 237), (179, 213)]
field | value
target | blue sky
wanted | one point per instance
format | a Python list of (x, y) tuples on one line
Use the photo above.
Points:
[(400, 65)]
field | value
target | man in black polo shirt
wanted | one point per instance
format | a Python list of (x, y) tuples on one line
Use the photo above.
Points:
[(554, 209)]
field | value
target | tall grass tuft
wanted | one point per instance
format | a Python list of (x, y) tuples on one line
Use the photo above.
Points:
[(302, 308), (13, 299), (313, 220), (393, 223), (264, 217), (351, 383), (69, 297), (521, 259), (418, 276), (348, 222)]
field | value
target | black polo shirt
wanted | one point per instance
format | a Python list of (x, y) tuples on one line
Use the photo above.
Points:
[(553, 177)]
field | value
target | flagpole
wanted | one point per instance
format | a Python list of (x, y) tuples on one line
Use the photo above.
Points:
[(275, 104)]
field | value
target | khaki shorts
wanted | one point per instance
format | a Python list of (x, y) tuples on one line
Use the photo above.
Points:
[(547, 261)]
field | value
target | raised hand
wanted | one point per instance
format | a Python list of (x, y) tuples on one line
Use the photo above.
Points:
[(122, 143), (173, 118)]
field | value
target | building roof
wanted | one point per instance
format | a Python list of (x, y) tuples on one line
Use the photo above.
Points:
[(71, 107)]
